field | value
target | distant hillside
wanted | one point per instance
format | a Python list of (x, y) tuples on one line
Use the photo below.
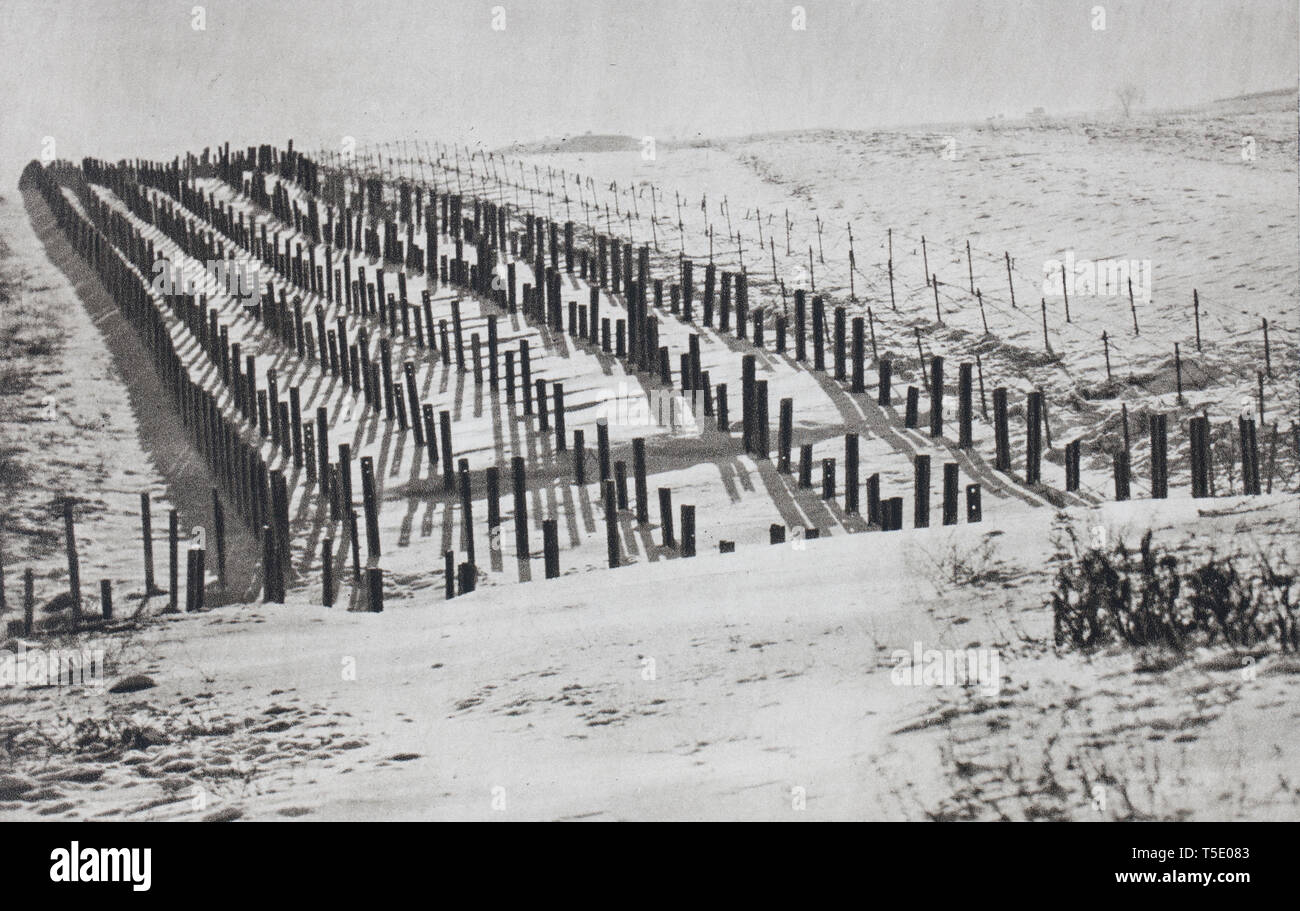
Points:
[(1274, 93), (587, 142), (591, 143)]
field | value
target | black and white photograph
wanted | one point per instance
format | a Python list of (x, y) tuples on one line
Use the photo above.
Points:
[(695, 410)]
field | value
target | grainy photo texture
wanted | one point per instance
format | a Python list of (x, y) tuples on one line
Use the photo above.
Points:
[(689, 410)]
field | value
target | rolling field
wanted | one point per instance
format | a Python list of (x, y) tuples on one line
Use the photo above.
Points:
[(726, 684)]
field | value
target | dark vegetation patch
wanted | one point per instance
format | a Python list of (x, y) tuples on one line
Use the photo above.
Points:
[(1153, 597)]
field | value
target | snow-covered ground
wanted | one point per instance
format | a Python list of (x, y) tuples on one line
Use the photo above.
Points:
[(756, 684), (1173, 193), (69, 426), (759, 685)]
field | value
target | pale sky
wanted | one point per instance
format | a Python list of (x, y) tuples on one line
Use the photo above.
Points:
[(121, 78)]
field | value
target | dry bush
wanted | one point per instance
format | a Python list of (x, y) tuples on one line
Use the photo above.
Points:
[(1149, 598)]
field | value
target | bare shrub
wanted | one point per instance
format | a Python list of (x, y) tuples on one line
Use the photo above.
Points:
[(1144, 599), (961, 562)]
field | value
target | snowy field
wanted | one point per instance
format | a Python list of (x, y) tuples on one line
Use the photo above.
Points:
[(758, 684)]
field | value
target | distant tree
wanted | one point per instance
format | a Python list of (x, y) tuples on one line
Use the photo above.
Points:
[(1128, 95)]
